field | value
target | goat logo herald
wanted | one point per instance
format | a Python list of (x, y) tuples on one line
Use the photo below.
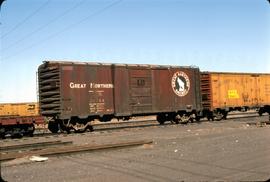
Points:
[(180, 83)]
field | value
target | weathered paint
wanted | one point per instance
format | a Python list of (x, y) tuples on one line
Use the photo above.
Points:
[(90, 89), (19, 109), (16, 121), (86, 90), (225, 90)]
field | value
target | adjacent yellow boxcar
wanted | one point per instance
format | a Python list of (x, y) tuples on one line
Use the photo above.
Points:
[(19, 109), (223, 92)]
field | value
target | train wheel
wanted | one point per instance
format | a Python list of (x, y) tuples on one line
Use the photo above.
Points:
[(53, 127), (2, 136), (2, 133), (161, 119), (225, 114), (261, 111), (210, 116), (176, 119), (197, 118), (90, 128), (16, 133), (126, 118), (63, 127), (218, 116), (30, 130)]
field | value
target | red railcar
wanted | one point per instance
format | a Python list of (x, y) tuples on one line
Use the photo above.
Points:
[(72, 94), (19, 119), (19, 125)]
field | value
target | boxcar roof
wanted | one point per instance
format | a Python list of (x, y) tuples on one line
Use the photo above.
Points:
[(118, 64)]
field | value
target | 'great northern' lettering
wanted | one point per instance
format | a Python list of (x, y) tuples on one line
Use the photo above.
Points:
[(77, 85)]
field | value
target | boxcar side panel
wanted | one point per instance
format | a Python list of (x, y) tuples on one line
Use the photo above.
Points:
[(86, 90), (162, 91), (143, 90), (238, 90), (121, 91), (184, 88), (140, 90)]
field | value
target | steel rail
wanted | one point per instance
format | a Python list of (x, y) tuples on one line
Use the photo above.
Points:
[(33, 146), (73, 149)]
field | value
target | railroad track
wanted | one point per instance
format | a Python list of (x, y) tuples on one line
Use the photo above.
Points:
[(147, 123), (100, 127), (32, 146), (71, 149), (57, 147)]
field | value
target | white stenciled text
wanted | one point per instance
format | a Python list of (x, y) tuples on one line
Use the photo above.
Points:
[(77, 85), (101, 85)]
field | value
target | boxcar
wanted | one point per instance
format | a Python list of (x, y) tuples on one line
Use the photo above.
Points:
[(19, 109), (224, 92), (19, 118), (72, 94)]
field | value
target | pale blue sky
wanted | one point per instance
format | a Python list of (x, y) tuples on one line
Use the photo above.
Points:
[(215, 35)]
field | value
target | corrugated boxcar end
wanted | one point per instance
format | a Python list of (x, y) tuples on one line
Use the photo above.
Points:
[(198, 90), (49, 89)]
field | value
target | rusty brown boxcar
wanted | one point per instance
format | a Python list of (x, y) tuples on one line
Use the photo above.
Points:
[(72, 94), (224, 92)]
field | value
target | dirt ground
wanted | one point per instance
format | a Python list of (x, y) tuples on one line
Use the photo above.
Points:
[(233, 150)]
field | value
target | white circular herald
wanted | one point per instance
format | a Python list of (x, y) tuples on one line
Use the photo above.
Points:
[(180, 83)]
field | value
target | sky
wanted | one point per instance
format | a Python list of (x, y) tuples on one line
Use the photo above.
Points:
[(215, 35)]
